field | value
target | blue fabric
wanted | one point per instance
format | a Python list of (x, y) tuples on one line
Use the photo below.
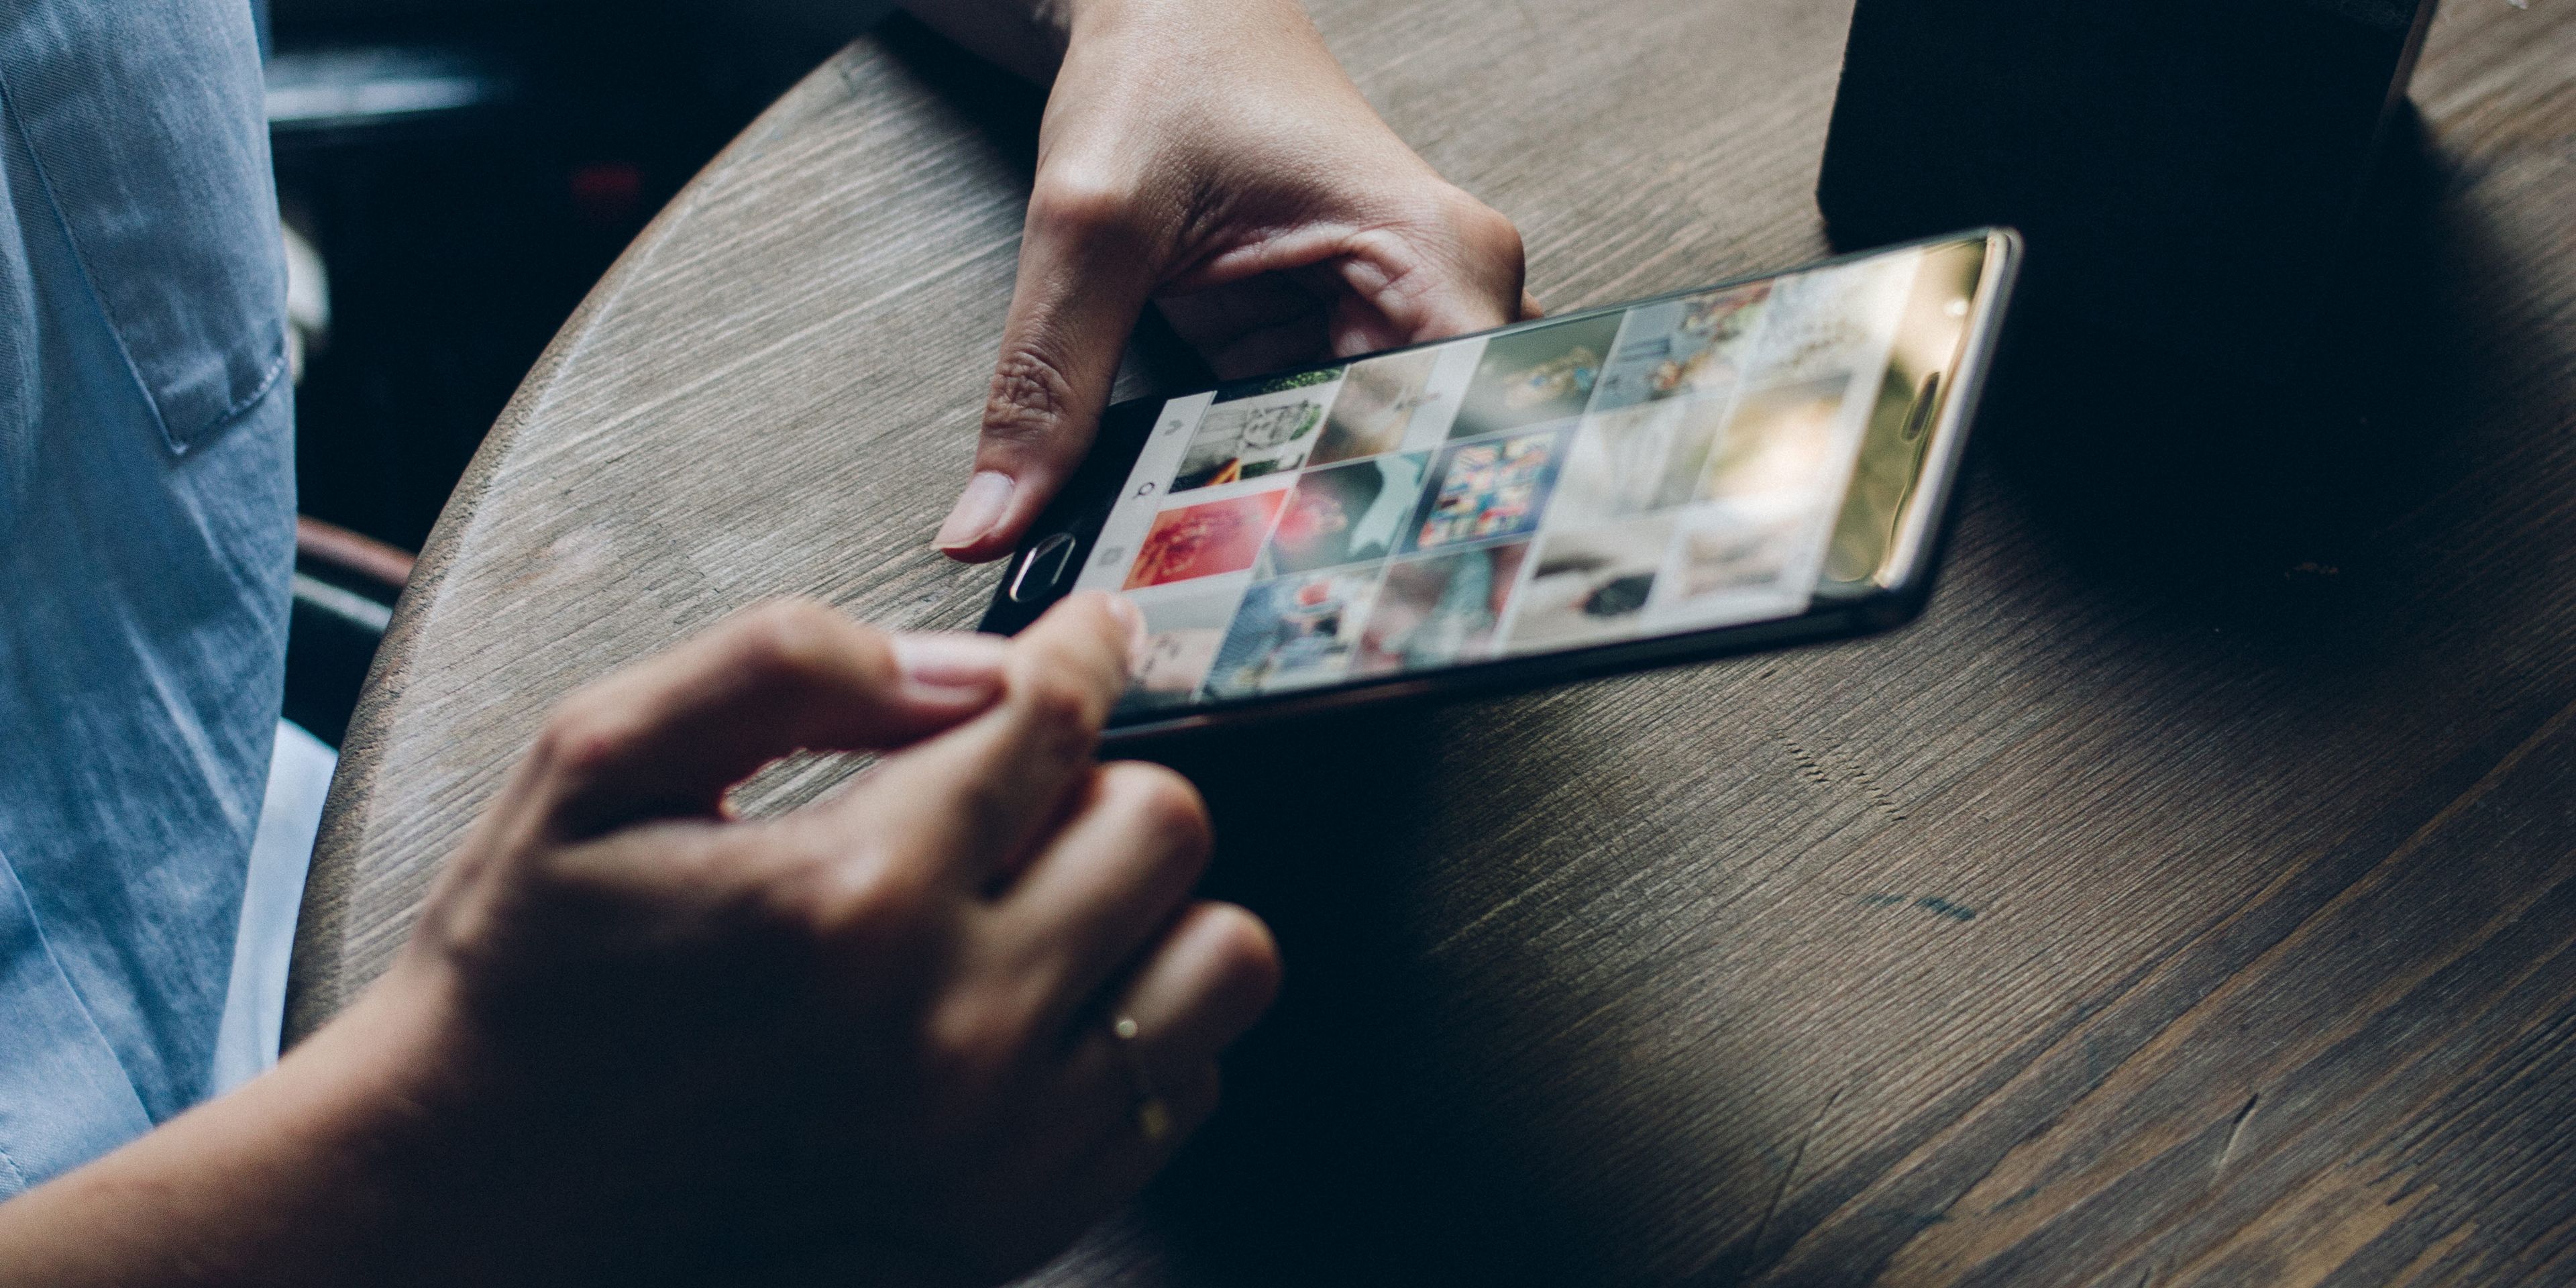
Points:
[(146, 541)]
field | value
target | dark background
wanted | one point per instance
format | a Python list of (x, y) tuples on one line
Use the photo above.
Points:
[(457, 240)]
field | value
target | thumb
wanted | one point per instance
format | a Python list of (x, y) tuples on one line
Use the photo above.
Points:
[(1086, 272), (668, 737)]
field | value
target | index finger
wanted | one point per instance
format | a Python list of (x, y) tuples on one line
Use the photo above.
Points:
[(976, 800), (667, 737)]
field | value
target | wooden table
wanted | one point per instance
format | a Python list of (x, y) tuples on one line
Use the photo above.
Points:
[(2153, 912)]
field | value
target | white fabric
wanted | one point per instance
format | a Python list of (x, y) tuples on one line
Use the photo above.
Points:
[(299, 777)]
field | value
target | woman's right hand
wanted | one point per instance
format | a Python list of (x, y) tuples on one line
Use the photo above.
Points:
[(872, 1037)]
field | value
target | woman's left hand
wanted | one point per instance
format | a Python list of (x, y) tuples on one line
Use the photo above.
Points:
[(1212, 158)]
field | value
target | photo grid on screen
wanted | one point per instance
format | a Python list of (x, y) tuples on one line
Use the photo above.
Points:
[(1675, 466)]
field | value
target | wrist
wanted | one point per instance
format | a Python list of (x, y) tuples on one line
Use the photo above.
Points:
[(410, 1148), (388, 1119), (475, 1183)]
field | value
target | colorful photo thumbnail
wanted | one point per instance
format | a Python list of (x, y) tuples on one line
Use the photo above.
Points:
[(1531, 377), (1637, 460), (1266, 433), (1681, 348), (1439, 609), (1293, 632), (1489, 490), (1205, 540), (1591, 585), (1376, 405), (1182, 633), (1347, 514), (1780, 441)]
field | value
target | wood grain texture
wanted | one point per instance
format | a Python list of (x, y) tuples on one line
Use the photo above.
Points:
[(2183, 902)]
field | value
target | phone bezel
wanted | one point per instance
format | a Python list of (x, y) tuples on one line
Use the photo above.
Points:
[(1904, 582)]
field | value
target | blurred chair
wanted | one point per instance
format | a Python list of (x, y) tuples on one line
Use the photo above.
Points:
[(345, 588)]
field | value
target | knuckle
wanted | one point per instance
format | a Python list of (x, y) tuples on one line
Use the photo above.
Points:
[(1480, 230), (1164, 805), (744, 885), (581, 736), (785, 639), (1032, 396), (1082, 201), (988, 804), (1056, 703), (973, 1040), (1244, 958), (877, 908), (1492, 230)]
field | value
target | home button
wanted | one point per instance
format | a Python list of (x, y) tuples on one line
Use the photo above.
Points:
[(1046, 570)]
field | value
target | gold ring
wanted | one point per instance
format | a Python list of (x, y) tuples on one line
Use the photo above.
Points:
[(1153, 1117)]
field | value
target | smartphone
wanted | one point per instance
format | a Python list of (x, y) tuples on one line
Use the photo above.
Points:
[(1754, 464)]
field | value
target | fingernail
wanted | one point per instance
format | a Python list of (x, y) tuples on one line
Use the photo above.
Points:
[(978, 509), (951, 667)]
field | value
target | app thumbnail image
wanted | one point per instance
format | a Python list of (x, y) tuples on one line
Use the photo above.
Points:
[(1829, 320), (1254, 436), (1543, 374), (1591, 585), (1682, 347), (1205, 540), (1376, 404), (1293, 632), (1779, 441), (1759, 556), (1496, 488), (1182, 634), (1346, 514), (1637, 459), (1439, 609)]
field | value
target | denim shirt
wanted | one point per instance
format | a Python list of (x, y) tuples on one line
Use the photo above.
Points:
[(146, 541)]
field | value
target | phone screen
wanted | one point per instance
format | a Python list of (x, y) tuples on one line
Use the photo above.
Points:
[(1669, 467)]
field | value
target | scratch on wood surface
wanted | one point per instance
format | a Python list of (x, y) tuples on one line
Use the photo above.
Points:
[(1836, 764), (2235, 1133), (1809, 767), (1789, 1174), (1869, 787)]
